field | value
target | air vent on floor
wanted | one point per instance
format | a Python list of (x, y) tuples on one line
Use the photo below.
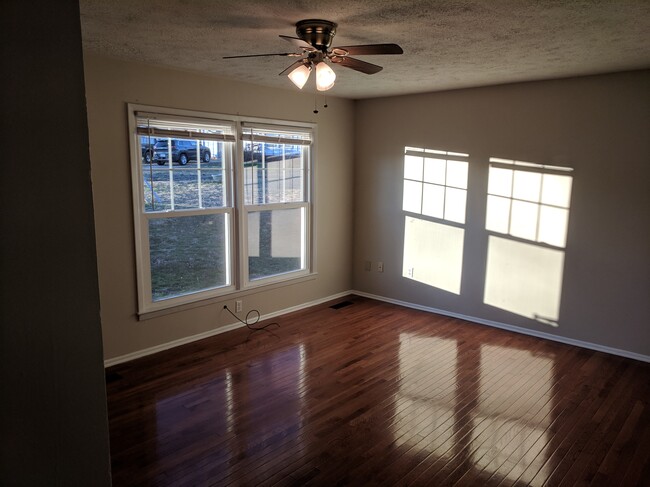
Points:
[(342, 304)]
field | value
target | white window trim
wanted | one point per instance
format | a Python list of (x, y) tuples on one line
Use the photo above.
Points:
[(237, 239)]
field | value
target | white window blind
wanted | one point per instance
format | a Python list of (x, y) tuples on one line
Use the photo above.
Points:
[(276, 134), (189, 128)]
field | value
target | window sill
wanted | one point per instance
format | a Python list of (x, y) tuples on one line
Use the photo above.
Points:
[(148, 315)]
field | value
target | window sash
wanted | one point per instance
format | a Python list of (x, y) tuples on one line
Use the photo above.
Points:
[(263, 189), (146, 300), (305, 233), (284, 138), (200, 170)]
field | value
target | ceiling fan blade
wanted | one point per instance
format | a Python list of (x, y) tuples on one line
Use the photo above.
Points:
[(292, 67), (296, 41), (356, 64), (261, 55), (371, 49)]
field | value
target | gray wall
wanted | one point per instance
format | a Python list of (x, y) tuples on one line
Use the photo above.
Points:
[(54, 422), (110, 85), (598, 125)]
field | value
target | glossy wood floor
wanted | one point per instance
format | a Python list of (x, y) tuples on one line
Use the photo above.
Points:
[(376, 394)]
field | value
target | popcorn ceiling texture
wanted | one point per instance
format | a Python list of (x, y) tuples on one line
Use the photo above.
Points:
[(447, 44)]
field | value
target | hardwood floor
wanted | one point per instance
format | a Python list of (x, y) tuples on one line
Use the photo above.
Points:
[(376, 394)]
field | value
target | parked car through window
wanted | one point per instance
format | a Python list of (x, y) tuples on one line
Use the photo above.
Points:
[(270, 152), (146, 146), (182, 151)]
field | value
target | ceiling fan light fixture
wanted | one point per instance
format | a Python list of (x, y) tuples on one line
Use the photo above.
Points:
[(300, 75), (314, 42), (325, 77)]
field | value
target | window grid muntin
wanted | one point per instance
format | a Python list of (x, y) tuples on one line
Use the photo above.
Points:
[(264, 171), (200, 170)]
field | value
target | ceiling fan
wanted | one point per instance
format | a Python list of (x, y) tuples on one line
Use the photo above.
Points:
[(314, 41)]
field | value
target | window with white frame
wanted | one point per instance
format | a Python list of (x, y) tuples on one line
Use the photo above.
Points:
[(220, 204), (276, 205)]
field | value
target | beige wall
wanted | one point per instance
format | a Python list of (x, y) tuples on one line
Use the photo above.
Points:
[(598, 125), (110, 85)]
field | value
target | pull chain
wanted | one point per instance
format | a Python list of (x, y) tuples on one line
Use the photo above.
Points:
[(316, 103)]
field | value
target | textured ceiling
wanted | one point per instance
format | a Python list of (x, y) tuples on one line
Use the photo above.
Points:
[(447, 43)]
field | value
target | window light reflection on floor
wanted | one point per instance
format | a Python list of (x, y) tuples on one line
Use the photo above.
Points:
[(431, 410)]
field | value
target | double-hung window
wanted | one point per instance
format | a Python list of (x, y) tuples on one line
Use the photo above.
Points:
[(276, 201), (221, 204)]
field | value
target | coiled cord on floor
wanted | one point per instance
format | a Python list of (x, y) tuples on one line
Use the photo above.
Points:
[(250, 325)]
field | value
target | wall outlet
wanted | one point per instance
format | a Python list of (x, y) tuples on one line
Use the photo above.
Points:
[(367, 266), (238, 306), (380, 267), (410, 271)]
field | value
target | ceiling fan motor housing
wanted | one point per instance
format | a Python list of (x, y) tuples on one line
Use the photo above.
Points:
[(318, 33)]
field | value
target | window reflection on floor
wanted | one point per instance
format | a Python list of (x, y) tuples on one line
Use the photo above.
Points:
[(425, 411), (514, 411), (487, 407)]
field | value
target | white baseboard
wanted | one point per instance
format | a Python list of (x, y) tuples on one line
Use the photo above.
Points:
[(233, 326), (516, 329), (222, 329)]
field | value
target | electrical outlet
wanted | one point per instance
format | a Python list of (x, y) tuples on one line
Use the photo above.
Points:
[(368, 266), (238, 306), (410, 271), (380, 267)]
